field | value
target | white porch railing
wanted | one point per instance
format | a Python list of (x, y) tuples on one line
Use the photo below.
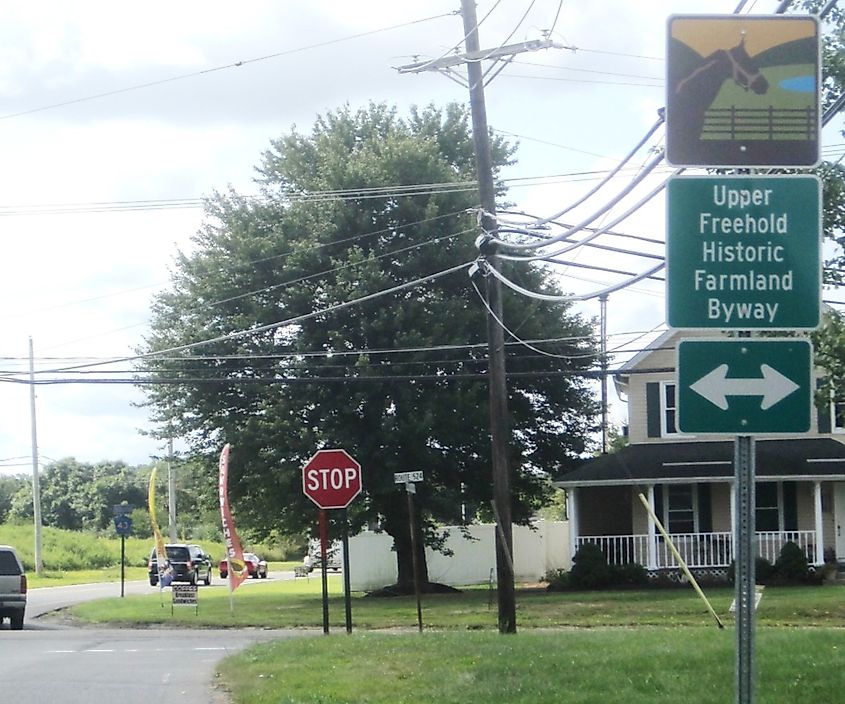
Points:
[(699, 550)]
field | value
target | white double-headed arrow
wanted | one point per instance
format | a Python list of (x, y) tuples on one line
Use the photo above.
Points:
[(716, 387)]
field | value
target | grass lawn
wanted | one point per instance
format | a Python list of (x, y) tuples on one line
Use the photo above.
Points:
[(636, 647), (642, 665), (297, 604)]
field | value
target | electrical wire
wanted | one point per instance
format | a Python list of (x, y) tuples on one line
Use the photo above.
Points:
[(236, 64), (604, 209), (238, 334), (524, 343), (577, 228), (567, 298)]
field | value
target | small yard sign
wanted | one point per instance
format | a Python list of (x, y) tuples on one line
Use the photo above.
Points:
[(184, 595)]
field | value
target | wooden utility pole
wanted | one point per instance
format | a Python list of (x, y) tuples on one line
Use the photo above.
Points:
[(499, 423)]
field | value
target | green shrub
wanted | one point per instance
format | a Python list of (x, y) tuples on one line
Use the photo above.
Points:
[(630, 574), (590, 569), (764, 571), (791, 565)]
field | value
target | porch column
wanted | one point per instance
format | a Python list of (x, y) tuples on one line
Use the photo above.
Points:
[(652, 532), (733, 523), (817, 506), (572, 514)]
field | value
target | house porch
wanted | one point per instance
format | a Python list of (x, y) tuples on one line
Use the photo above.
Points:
[(699, 518)]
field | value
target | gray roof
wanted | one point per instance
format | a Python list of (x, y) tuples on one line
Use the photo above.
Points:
[(799, 458)]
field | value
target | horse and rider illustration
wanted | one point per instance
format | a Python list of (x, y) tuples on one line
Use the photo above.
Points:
[(731, 104)]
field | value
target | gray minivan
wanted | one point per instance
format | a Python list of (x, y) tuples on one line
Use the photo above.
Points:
[(12, 587)]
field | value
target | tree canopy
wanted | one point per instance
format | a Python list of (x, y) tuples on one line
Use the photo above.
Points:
[(268, 354)]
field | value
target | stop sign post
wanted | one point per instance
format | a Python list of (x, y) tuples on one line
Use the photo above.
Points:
[(331, 479)]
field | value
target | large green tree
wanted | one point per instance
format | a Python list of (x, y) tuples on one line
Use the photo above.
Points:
[(367, 201), (829, 340)]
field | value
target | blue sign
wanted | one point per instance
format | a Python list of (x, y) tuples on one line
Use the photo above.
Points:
[(123, 524)]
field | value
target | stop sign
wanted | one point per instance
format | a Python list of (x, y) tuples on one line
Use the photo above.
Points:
[(331, 479)]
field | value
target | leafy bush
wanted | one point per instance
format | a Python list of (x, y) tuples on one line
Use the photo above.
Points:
[(590, 569), (764, 571), (791, 565), (558, 580), (629, 575)]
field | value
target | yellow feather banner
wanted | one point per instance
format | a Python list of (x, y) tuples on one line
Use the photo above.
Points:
[(165, 574)]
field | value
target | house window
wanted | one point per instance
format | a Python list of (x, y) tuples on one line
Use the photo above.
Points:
[(837, 415), (769, 502), (681, 508), (668, 409)]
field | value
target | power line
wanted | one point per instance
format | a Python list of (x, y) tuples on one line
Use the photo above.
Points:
[(282, 323), (225, 67)]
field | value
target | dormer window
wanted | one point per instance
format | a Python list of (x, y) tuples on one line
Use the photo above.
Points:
[(837, 415), (661, 409), (668, 409)]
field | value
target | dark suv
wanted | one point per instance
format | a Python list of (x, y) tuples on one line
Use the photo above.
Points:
[(188, 563)]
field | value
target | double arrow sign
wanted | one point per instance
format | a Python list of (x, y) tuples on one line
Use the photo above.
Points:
[(756, 386), (772, 387)]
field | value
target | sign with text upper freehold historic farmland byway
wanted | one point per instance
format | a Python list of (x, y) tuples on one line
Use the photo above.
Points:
[(743, 252)]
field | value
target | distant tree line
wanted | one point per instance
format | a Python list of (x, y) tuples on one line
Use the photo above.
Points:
[(80, 496)]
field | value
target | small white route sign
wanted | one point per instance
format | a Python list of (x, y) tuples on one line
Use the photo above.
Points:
[(407, 477)]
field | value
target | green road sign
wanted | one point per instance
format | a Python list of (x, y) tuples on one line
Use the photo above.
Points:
[(742, 90), (744, 386), (743, 252)]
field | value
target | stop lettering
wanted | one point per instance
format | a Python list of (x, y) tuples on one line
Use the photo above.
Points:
[(331, 479)]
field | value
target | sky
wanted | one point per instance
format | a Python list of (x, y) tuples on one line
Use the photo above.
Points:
[(117, 119)]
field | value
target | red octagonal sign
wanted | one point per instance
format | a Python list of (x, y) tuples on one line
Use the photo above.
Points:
[(331, 479)]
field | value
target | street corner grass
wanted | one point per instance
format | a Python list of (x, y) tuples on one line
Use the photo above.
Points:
[(298, 604), (256, 603), (635, 665), (467, 667)]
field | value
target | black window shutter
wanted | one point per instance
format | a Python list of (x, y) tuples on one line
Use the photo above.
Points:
[(823, 413), (705, 511), (790, 506), (658, 503), (652, 409)]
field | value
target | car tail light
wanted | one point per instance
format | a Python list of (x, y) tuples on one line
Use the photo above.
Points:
[(190, 565), (23, 584)]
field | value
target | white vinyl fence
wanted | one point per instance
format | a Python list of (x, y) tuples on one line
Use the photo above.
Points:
[(537, 550)]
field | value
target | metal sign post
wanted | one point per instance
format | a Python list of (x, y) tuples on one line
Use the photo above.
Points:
[(123, 527), (408, 479), (324, 575), (347, 590), (744, 577)]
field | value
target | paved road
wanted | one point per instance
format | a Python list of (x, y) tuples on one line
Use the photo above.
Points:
[(51, 662), (84, 665)]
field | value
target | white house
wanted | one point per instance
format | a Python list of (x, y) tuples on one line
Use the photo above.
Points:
[(689, 482)]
